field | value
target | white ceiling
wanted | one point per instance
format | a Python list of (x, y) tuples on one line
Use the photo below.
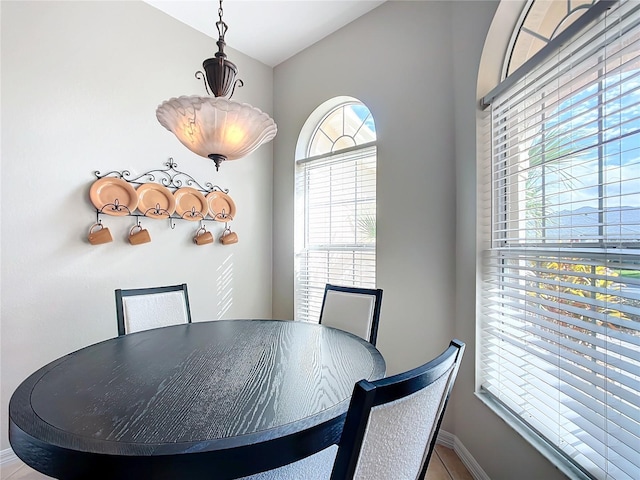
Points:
[(268, 30)]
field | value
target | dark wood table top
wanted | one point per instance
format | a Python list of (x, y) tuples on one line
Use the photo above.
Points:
[(219, 399)]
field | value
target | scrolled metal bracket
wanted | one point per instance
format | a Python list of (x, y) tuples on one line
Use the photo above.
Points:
[(201, 76), (116, 206), (169, 177), (238, 83), (156, 211)]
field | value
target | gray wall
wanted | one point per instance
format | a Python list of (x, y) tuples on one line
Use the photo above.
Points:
[(415, 65), (477, 62), (416, 165), (80, 85)]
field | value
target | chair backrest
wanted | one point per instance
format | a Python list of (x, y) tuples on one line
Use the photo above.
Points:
[(352, 309), (392, 424), (144, 308)]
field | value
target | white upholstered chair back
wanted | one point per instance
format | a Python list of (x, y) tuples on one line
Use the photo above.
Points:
[(143, 312), (354, 310), (145, 308), (390, 429), (392, 423), (398, 434)]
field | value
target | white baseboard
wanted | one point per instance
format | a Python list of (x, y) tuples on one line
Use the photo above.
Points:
[(451, 441), (7, 456), (446, 439)]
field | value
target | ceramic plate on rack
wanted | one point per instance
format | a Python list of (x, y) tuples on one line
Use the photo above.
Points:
[(113, 196), (155, 200), (190, 204), (221, 207)]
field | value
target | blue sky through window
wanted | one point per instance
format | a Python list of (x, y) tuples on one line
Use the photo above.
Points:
[(364, 114), (585, 175)]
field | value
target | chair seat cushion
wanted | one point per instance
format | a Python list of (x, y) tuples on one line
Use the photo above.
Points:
[(314, 467)]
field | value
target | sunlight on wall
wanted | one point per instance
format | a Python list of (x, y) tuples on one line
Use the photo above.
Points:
[(223, 286)]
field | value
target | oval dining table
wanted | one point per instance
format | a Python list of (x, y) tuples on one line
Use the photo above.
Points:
[(217, 400)]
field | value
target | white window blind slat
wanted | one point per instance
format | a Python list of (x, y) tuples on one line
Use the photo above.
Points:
[(336, 203), (559, 310)]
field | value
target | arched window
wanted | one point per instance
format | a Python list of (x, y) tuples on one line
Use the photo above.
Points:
[(559, 342), (541, 22), (335, 221)]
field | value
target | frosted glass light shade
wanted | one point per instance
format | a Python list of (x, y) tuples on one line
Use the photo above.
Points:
[(215, 127)]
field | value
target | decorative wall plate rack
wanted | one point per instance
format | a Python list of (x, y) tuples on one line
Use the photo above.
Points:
[(161, 194)]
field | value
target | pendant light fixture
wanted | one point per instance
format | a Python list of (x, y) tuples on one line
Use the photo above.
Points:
[(217, 127)]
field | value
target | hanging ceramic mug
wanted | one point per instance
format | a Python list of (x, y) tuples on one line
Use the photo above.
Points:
[(203, 237), (101, 235), (138, 235), (228, 237)]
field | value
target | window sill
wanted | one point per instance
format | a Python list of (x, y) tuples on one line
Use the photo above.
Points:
[(544, 448)]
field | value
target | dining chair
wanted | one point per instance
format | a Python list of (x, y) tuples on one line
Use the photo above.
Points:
[(352, 309), (390, 429), (144, 308)]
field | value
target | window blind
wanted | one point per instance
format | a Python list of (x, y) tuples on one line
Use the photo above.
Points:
[(559, 340), (339, 223)]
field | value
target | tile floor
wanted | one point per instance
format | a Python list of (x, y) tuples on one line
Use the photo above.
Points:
[(445, 465)]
